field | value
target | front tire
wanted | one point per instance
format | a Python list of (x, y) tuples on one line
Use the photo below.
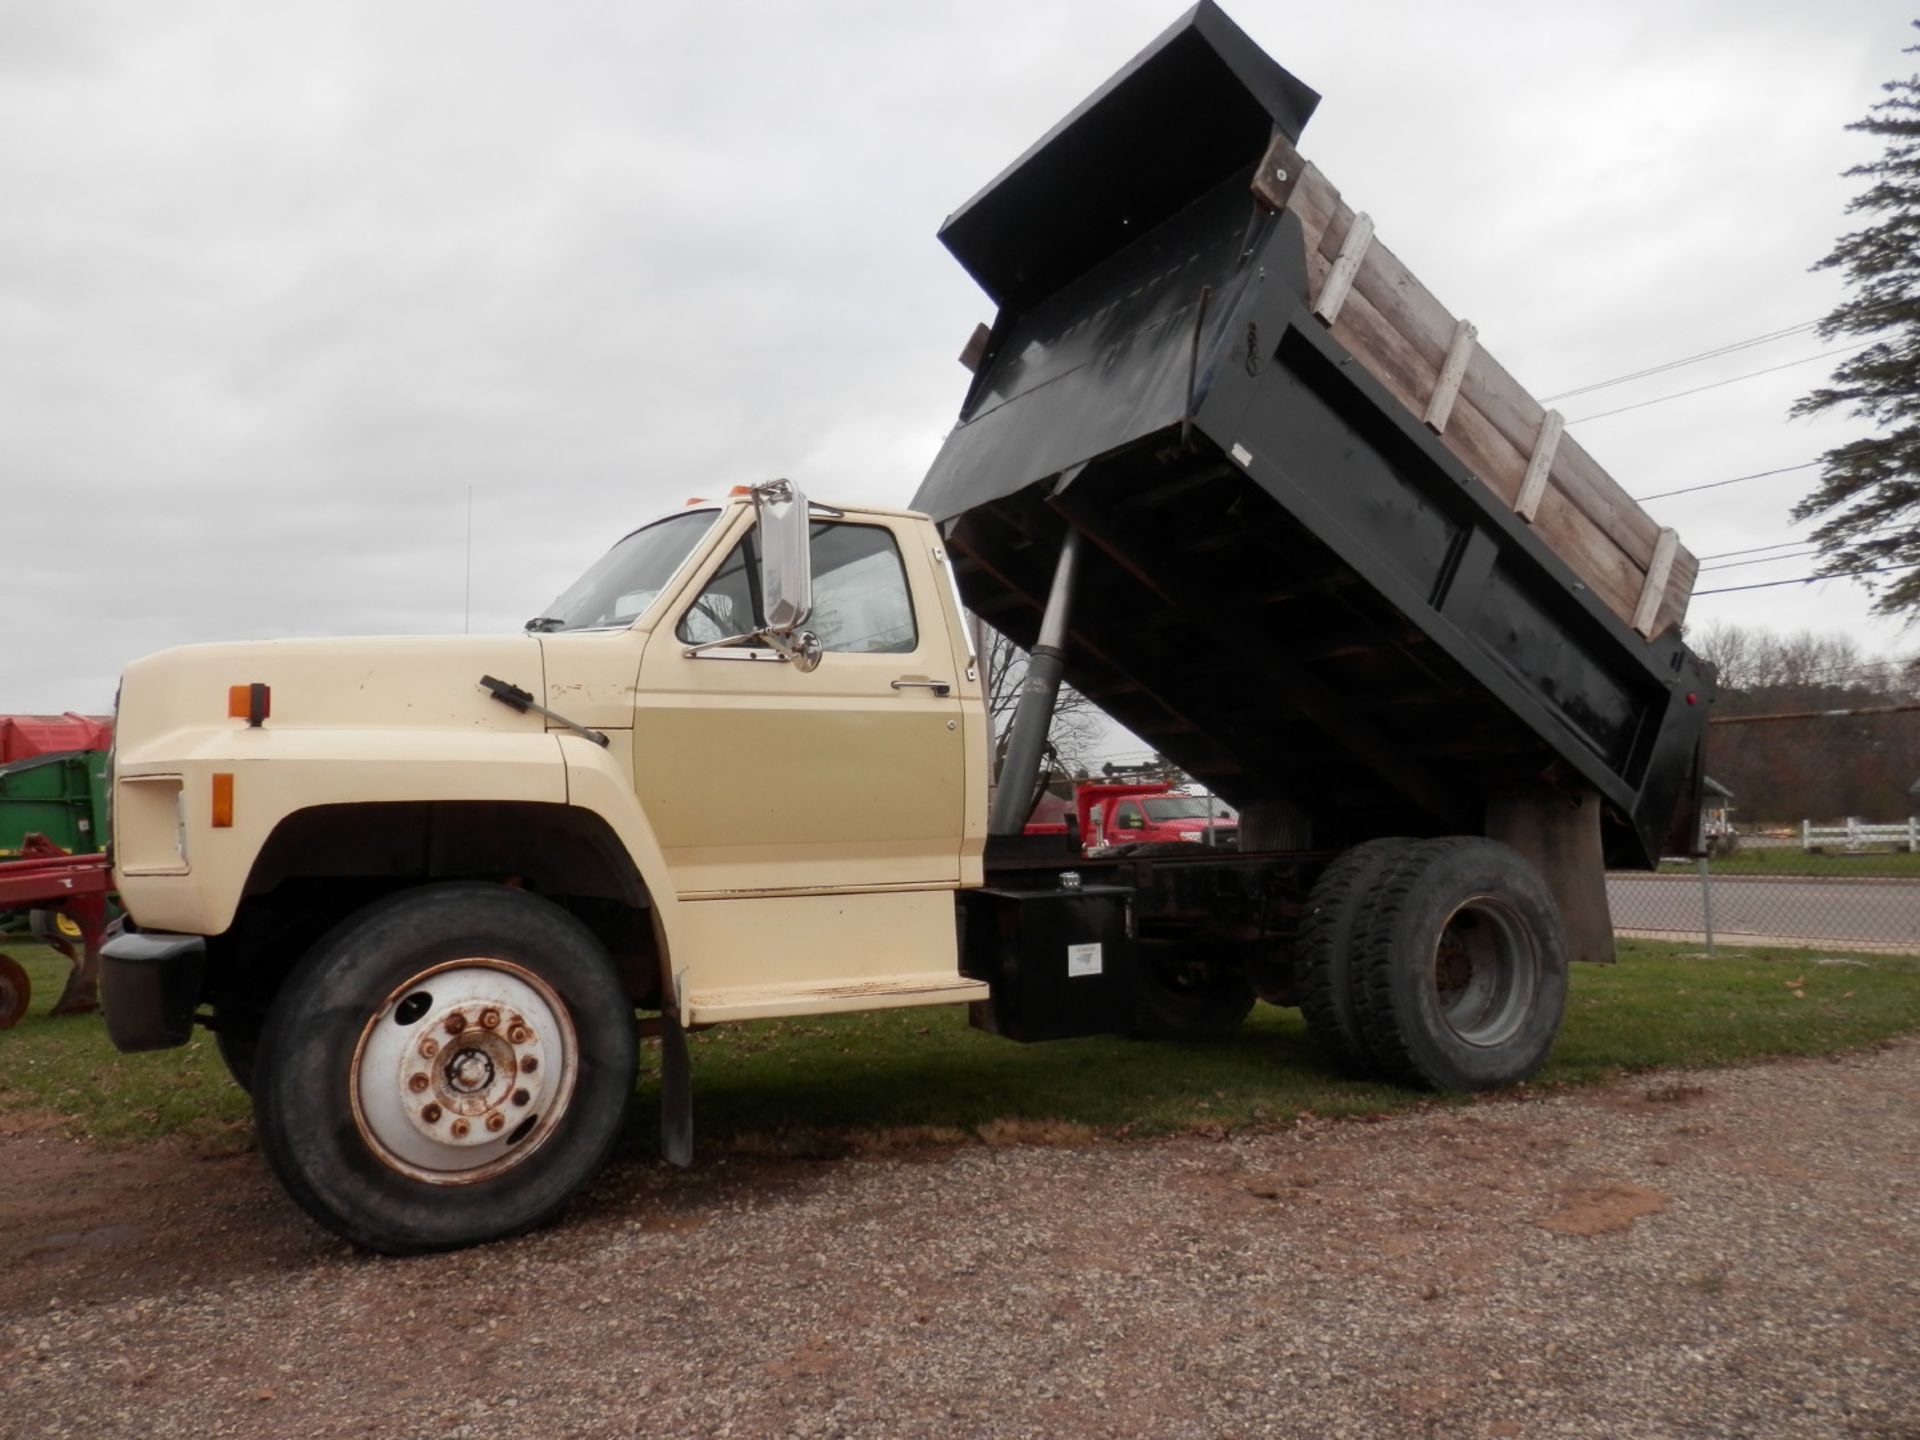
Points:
[(1461, 966), (448, 1066)]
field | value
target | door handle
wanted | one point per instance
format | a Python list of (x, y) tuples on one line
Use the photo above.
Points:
[(939, 687)]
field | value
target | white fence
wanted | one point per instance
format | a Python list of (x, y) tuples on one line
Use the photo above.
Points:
[(1854, 836)]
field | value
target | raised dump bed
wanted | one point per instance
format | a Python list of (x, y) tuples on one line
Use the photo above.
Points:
[(1339, 565)]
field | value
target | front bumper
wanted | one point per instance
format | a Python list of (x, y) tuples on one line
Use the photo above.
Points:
[(149, 985)]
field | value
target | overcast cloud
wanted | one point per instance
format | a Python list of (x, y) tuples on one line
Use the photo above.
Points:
[(280, 283)]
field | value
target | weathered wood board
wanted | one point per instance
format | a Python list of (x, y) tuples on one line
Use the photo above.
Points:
[(1433, 364)]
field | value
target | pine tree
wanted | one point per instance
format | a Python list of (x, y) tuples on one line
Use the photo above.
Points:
[(1869, 489)]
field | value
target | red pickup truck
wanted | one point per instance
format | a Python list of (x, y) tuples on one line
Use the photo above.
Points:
[(1133, 814)]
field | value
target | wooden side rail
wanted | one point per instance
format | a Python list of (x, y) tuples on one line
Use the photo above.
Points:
[(1433, 364)]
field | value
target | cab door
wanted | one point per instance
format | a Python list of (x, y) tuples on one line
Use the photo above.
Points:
[(760, 778)]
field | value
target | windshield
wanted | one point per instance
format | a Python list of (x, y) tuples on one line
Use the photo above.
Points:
[(1185, 807), (625, 580)]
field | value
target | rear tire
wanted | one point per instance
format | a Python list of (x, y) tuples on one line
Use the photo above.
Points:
[(1323, 949), (1460, 966), (448, 1066)]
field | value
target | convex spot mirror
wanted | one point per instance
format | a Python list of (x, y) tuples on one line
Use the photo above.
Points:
[(786, 570)]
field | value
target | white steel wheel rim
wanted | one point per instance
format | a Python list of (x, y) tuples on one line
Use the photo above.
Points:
[(464, 1071), (1486, 972)]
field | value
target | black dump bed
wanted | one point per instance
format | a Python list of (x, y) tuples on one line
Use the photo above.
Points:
[(1289, 585)]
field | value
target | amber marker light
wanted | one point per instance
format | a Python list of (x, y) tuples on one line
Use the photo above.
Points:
[(251, 703), (222, 800)]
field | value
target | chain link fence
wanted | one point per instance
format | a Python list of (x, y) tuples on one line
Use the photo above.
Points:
[(1812, 838)]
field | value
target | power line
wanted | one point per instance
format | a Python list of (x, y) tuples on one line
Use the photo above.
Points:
[(1718, 350), (1715, 353), (1809, 579), (1763, 560), (1730, 380), (1755, 550), (1752, 549), (1716, 484), (1798, 540)]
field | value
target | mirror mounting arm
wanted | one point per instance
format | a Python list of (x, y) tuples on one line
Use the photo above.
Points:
[(801, 649), (727, 642)]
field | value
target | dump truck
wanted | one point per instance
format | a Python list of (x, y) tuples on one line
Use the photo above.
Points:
[(1223, 465)]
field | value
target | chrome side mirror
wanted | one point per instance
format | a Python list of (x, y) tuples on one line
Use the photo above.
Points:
[(786, 559), (786, 584)]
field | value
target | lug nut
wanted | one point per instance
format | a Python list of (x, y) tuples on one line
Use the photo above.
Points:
[(431, 1114), (456, 1022), (530, 1064), (489, 1019), (521, 1097), (460, 1128), (429, 1047), (519, 1034), (417, 1083), (496, 1121)]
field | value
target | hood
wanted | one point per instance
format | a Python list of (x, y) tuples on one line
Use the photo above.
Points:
[(386, 682)]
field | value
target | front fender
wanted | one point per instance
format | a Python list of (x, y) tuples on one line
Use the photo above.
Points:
[(596, 782), (193, 886)]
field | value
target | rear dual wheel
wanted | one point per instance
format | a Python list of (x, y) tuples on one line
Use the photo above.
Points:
[(449, 1066), (1439, 963), (1323, 947)]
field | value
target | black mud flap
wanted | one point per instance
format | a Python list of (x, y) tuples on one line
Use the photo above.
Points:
[(676, 1089)]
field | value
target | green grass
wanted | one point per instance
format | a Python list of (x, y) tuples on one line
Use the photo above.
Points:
[(68, 1067), (1794, 861), (827, 1084)]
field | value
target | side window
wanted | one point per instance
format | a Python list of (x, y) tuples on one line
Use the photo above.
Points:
[(860, 600), (730, 605), (1130, 817)]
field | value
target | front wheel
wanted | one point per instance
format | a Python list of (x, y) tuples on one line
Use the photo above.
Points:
[(449, 1066)]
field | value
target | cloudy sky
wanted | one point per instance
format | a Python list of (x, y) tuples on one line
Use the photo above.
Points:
[(281, 285)]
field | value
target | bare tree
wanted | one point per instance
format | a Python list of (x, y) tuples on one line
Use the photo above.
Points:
[(1805, 666), (1078, 724), (1820, 769)]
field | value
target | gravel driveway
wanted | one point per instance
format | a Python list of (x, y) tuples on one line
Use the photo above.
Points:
[(1730, 1253)]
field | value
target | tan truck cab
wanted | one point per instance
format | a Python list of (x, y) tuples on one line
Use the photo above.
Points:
[(749, 819)]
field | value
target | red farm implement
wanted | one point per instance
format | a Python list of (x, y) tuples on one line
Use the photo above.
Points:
[(51, 884)]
